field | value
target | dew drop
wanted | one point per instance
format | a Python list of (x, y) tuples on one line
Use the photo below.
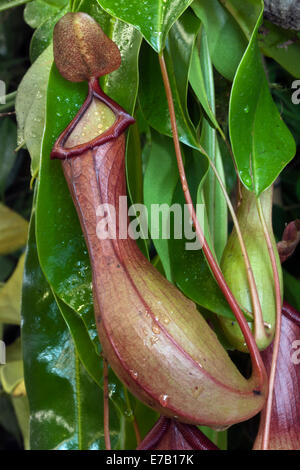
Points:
[(153, 340), (246, 109), (133, 373), (163, 399), (128, 414), (111, 390)]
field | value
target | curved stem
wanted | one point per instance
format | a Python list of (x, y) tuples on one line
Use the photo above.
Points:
[(259, 328), (106, 405), (267, 423), (134, 420), (258, 366)]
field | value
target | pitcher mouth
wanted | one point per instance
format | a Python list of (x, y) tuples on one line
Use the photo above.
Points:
[(122, 121)]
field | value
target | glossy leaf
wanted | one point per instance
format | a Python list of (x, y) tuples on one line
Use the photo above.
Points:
[(245, 13), (134, 177), (31, 106), (6, 4), (275, 42), (42, 37), (178, 54), (196, 80), (11, 374), (262, 144), (153, 18), (38, 11), (64, 400), (21, 407), (226, 40), (13, 230), (215, 203), (10, 296), (160, 179)]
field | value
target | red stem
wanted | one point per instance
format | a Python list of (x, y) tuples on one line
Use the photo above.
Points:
[(258, 366), (276, 343)]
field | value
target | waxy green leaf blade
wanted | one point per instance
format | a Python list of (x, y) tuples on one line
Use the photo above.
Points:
[(6, 4), (161, 176), (42, 37), (64, 400), (31, 107), (38, 11), (216, 206), (261, 143), (178, 55), (153, 18), (226, 41)]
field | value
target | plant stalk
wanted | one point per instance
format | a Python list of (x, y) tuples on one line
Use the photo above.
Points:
[(258, 366), (259, 328), (276, 343)]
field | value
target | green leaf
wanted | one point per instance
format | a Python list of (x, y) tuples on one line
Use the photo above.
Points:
[(42, 37), (65, 403), (153, 18), (89, 354), (261, 143), (10, 296), (35, 13), (8, 139), (215, 203), (178, 54), (8, 419), (190, 271), (6, 4), (11, 373), (13, 230), (161, 176), (197, 83), (31, 106), (245, 13), (282, 45), (226, 41)]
